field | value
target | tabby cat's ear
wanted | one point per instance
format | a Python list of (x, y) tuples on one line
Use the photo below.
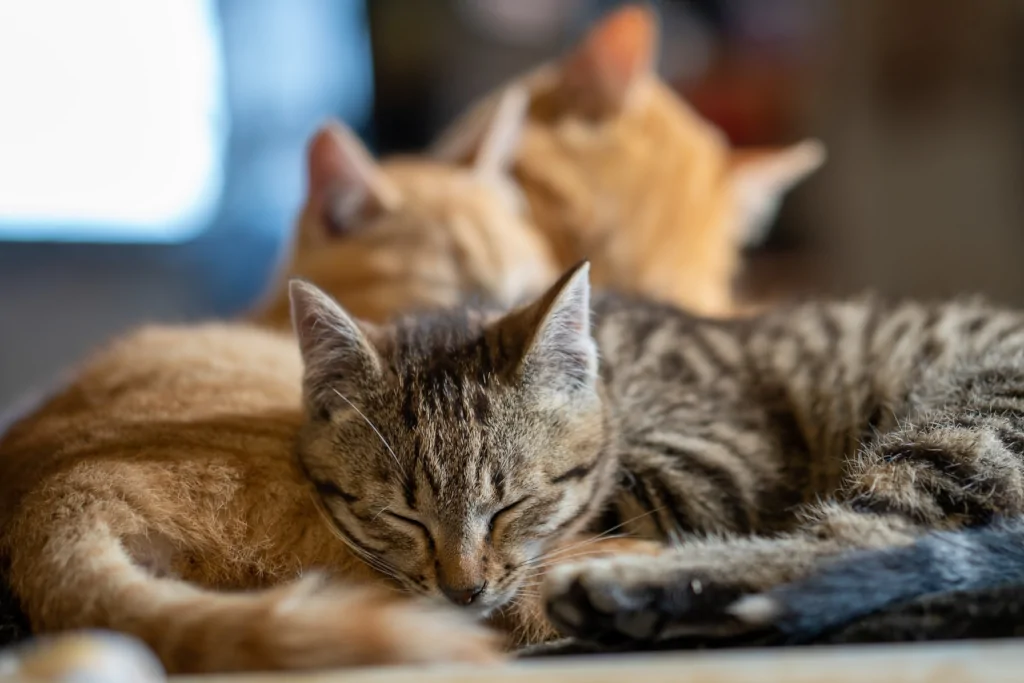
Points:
[(346, 185), (550, 340), (337, 352), (598, 75), (761, 177)]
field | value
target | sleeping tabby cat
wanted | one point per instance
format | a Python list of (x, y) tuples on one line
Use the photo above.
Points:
[(445, 447), (161, 478), (617, 169)]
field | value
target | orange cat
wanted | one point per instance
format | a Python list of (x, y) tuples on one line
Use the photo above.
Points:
[(161, 483), (618, 169), (412, 233)]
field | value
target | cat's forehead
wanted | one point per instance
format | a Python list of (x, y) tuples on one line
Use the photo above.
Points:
[(448, 375)]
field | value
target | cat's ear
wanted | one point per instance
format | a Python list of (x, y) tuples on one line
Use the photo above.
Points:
[(501, 133), (549, 342), (337, 351), (600, 72), (488, 134), (762, 176), (346, 185)]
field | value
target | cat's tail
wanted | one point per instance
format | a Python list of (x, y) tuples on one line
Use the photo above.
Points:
[(92, 581), (869, 582)]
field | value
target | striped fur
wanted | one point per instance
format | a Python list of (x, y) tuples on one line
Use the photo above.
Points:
[(456, 452), (766, 448), (762, 449)]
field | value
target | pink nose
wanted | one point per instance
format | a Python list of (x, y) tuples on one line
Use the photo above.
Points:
[(463, 596)]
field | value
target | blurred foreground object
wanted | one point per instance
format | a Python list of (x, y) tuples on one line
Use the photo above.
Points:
[(87, 657)]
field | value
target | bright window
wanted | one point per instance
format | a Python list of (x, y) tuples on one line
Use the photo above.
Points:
[(112, 120)]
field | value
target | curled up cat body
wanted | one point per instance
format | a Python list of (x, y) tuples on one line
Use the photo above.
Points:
[(764, 449), (757, 451), (462, 454), (158, 492)]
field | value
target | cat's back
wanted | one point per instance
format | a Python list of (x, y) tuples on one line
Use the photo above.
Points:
[(160, 408), (644, 341)]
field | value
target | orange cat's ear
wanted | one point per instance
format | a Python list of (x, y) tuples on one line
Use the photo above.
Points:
[(346, 186), (762, 176), (599, 73), (501, 133), (488, 134), (551, 343), (337, 352)]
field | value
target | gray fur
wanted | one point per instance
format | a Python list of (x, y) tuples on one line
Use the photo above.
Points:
[(760, 450)]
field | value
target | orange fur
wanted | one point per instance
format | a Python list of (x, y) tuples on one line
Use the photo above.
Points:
[(158, 494), (141, 497), (413, 233), (616, 168)]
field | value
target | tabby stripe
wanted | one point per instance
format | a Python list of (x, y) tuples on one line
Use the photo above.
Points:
[(834, 363), (586, 509), (354, 540), (1007, 335), (710, 352), (639, 492), (538, 512), (427, 468), (328, 489), (610, 518), (938, 459), (952, 502), (875, 504), (498, 478), (1012, 439), (578, 472), (932, 346), (672, 508), (733, 501), (870, 406)]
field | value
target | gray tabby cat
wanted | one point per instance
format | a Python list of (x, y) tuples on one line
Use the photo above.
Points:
[(454, 449)]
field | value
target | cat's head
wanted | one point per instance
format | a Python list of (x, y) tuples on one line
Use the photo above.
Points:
[(618, 169), (411, 233), (453, 450)]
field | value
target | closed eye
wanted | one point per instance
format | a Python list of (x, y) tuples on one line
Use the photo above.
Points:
[(329, 490), (505, 510), (412, 522)]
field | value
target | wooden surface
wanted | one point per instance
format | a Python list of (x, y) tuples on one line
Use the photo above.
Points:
[(961, 662)]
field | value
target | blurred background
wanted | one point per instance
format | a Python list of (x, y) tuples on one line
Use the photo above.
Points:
[(151, 151)]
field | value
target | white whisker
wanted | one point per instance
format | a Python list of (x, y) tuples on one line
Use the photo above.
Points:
[(375, 562), (373, 427)]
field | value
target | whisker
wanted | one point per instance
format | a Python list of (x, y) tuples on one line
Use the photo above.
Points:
[(375, 562), (374, 428), (603, 536)]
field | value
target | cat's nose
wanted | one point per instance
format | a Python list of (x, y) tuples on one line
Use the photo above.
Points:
[(463, 595)]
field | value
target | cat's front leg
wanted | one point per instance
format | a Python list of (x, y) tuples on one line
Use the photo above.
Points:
[(960, 465), (698, 588)]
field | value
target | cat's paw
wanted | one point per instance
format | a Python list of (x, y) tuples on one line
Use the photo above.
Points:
[(625, 600)]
